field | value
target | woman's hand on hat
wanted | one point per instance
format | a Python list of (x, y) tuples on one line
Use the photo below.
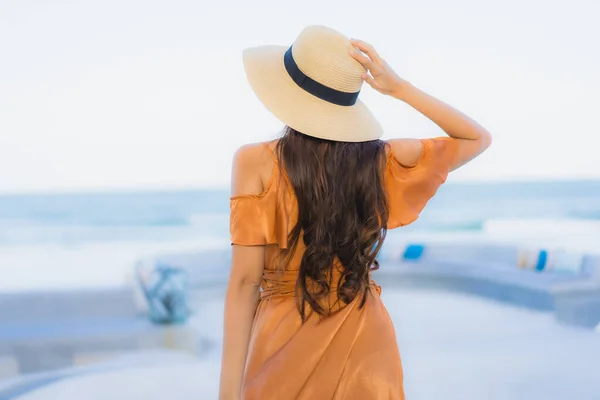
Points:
[(380, 76)]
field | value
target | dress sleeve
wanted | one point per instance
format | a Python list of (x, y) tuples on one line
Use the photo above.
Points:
[(410, 188), (248, 220), (256, 220)]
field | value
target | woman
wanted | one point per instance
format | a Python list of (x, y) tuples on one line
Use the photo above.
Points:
[(309, 213)]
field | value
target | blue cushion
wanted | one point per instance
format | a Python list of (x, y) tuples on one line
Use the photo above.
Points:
[(413, 252), (541, 261)]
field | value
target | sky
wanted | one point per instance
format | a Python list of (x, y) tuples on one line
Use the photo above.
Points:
[(146, 94)]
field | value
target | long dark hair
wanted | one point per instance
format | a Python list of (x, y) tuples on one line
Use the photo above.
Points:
[(342, 212)]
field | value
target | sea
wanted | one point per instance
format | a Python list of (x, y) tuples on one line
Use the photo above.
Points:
[(80, 240)]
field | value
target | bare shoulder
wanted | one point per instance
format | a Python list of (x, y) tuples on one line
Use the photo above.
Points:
[(247, 154), (251, 167), (254, 155), (406, 150)]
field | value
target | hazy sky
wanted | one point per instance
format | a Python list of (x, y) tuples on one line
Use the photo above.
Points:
[(148, 94)]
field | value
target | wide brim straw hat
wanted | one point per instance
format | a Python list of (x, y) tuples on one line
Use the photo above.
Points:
[(313, 86)]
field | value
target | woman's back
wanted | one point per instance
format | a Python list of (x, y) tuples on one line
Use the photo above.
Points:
[(360, 334)]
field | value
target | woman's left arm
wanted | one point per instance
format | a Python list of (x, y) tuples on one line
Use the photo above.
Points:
[(241, 300), (240, 305)]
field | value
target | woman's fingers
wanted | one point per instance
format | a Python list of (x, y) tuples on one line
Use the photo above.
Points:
[(366, 48), (361, 58), (379, 75), (369, 79)]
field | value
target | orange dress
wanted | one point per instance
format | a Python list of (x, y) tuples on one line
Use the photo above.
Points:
[(352, 354)]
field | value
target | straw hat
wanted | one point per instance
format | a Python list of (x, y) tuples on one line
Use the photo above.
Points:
[(313, 86)]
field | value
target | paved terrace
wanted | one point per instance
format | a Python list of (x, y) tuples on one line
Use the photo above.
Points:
[(453, 346), (468, 328)]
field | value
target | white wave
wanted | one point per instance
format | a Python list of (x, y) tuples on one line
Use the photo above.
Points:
[(546, 226), (91, 265), (558, 233), (203, 219)]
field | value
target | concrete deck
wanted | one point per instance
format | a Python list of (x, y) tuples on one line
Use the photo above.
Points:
[(453, 346), (470, 325)]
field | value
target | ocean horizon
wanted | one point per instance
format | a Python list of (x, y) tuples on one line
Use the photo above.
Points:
[(82, 239)]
